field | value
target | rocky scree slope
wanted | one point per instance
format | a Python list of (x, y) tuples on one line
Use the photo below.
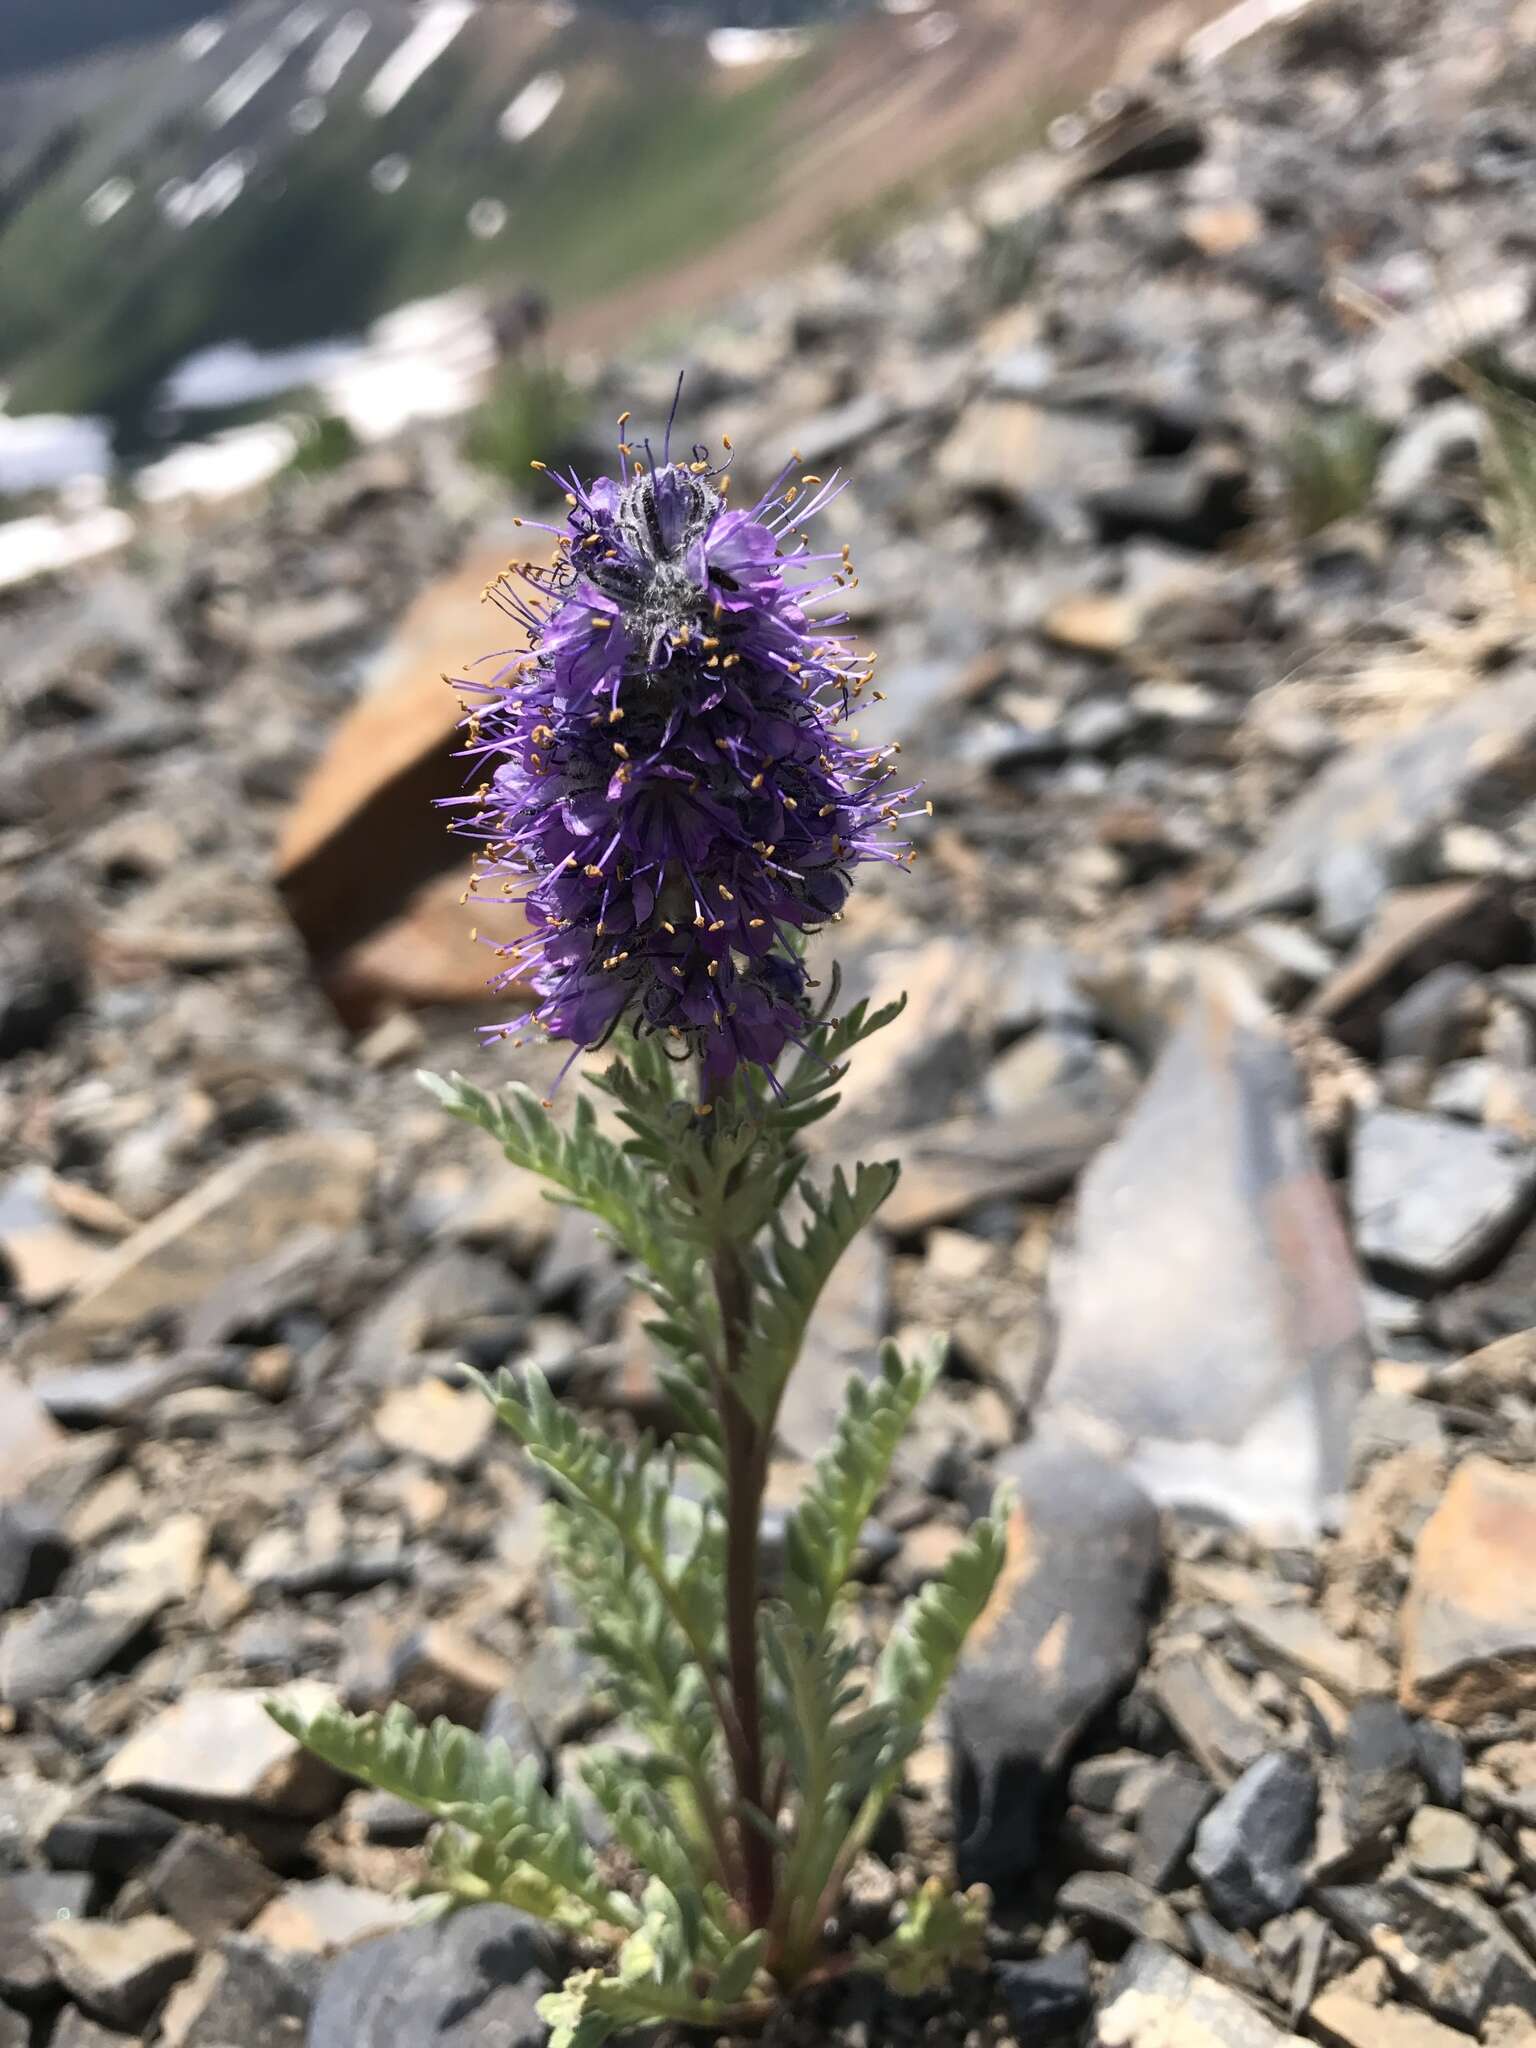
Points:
[(1216, 1093)]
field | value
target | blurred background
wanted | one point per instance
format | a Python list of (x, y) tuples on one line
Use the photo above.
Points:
[(358, 206), (1181, 361)]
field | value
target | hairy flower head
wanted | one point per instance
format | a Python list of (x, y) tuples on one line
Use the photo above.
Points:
[(664, 780)]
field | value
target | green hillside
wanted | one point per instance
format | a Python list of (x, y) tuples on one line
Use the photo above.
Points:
[(93, 318)]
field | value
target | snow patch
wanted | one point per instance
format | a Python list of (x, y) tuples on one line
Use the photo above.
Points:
[(108, 199), (437, 25), (533, 106), (730, 47)]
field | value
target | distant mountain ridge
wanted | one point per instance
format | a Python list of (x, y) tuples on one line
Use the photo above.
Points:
[(36, 35), (306, 165)]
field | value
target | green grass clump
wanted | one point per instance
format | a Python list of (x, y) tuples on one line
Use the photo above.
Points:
[(326, 441), (1329, 463), (532, 414)]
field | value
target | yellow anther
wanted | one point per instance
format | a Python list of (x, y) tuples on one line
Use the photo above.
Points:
[(538, 465), (624, 419)]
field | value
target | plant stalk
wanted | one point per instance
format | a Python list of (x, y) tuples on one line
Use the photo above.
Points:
[(746, 1462)]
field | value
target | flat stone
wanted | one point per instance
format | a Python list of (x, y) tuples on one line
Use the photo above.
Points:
[(1442, 1843), (241, 1995), (1469, 1621), (75, 2030), (1416, 934), (221, 1749), (1435, 1201), (120, 1970), (1298, 1643), (1251, 1849), (34, 1444), (1154, 2000), (473, 1979), (241, 1213), (1225, 1357), (326, 1914), (208, 1885), (29, 1902), (439, 1669), (1048, 1995), (109, 1835), (1070, 1611), (1179, 1799), (165, 1563), (1379, 803), (41, 1255), (1442, 1942), (1345, 2021), (1034, 1153), (34, 1555), (47, 1651), (1109, 1899), (115, 1396), (1216, 1718), (447, 1427), (1009, 449), (1382, 1780)]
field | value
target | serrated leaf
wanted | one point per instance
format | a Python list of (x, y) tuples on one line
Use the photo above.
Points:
[(941, 1931), (475, 1787), (823, 1532), (594, 1174), (795, 1271), (924, 1647)]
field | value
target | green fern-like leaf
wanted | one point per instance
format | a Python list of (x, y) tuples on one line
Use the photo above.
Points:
[(924, 1647), (941, 1931), (809, 1093), (479, 1790), (822, 1537), (795, 1273), (599, 1176), (655, 1979)]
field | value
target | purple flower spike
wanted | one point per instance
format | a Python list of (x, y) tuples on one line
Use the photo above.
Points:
[(662, 784)]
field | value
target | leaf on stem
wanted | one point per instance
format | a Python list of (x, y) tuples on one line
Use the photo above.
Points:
[(822, 1535), (795, 1270)]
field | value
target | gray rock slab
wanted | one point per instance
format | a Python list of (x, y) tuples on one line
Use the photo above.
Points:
[(1434, 1201), (1063, 1633), (475, 1979), (1379, 803), (1210, 1316)]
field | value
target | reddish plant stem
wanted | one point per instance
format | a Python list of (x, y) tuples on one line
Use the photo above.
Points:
[(746, 1462)]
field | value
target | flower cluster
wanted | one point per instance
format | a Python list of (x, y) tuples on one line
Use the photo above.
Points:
[(662, 784)]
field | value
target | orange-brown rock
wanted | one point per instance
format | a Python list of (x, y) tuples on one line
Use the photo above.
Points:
[(366, 866), (1469, 1626)]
